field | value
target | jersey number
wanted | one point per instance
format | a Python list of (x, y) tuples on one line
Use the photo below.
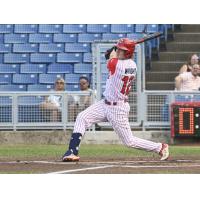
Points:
[(127, 84)]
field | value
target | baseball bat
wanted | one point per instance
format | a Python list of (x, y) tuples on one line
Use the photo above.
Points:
[(148, 37)]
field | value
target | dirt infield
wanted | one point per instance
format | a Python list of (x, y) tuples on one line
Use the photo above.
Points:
[(102, 167)]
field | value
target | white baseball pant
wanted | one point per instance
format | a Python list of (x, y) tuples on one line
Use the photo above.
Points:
[(117, 115)]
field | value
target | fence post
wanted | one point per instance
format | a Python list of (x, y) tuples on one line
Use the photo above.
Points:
[(64, 110), (15, 111)]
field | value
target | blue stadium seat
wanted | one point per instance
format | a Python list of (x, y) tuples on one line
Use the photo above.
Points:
[(50, 28), (60, 68), (1, 38), (98, 28), (33, 68), (30, 100), (139, 28), (134, 36), (83, 68), (65, 38), (13, 87), (74, 28), (49, 78), (16, 58), (15, 38), (7, 68), (76, 47), (87, 57), (122, 28), (52, 47), (113, 36), (5, 78), (72, 87), (6, 28), (26, 28), (25, 78), (40, 38), (74, 78), (43, 58), (5, 48), (87, 37), (152, 28), (69, 57), (5, 101), (40, 87), (1, 58), (25, 48)]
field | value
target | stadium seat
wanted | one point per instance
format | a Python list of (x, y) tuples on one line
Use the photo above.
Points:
[(140, 28), (1, 38), (40, 38), (113, 36), (7, 68), (25, 78), (13, 87), (30, 100), (65, 38), (69, 57), (87, 57), (26, 28), (60, 68), (152, 28), (15, 38), (49, 78), (134, 36), (98, 28), (5, 78), (122, 28), (5, 48), (33, 68), (50, 28), (83, 68), (87, 37), (16, 58), (6, 28), (40, 87), (74, 28), (5, 100), (74, 78), (43, 58), (72, 87), (52, 47), (1, 58), (23, 48), (76, 47)]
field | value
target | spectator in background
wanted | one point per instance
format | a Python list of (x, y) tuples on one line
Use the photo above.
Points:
[(81, 102), (188, 81), (51, 107), (192, 60)]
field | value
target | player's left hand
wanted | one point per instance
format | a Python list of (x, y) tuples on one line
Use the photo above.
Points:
[(109, 52)]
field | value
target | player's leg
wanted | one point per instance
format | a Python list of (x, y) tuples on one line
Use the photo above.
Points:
[(93, 114), (119, 120)]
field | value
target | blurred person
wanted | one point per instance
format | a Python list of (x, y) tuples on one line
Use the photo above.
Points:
[(193, 59), (52, 104), (188, 81), (81, 102)]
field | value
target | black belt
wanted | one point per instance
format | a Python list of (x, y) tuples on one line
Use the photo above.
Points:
[(112, 103)]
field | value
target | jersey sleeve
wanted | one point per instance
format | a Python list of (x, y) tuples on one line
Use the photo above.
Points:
[(112, 63)]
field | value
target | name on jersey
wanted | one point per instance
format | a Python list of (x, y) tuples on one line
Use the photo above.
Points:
[(130, 71)]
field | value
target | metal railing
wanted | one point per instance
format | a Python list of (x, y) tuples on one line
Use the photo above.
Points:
[(42, 110)]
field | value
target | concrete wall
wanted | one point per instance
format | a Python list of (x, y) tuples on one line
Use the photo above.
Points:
[(60, 137)]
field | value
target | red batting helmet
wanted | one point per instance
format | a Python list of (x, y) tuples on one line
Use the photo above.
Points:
[(126, 45)]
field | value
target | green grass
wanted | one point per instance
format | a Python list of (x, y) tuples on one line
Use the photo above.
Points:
[(56, 151)]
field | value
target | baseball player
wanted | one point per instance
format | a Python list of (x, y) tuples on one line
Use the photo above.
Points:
[(114, 108)]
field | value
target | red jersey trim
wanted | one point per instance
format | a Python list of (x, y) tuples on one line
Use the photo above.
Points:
[(112, 63)]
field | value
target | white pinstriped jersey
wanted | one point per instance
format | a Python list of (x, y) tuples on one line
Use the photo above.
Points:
[(121, 75)]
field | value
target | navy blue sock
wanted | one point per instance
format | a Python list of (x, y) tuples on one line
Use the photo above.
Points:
[(75, 142)]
